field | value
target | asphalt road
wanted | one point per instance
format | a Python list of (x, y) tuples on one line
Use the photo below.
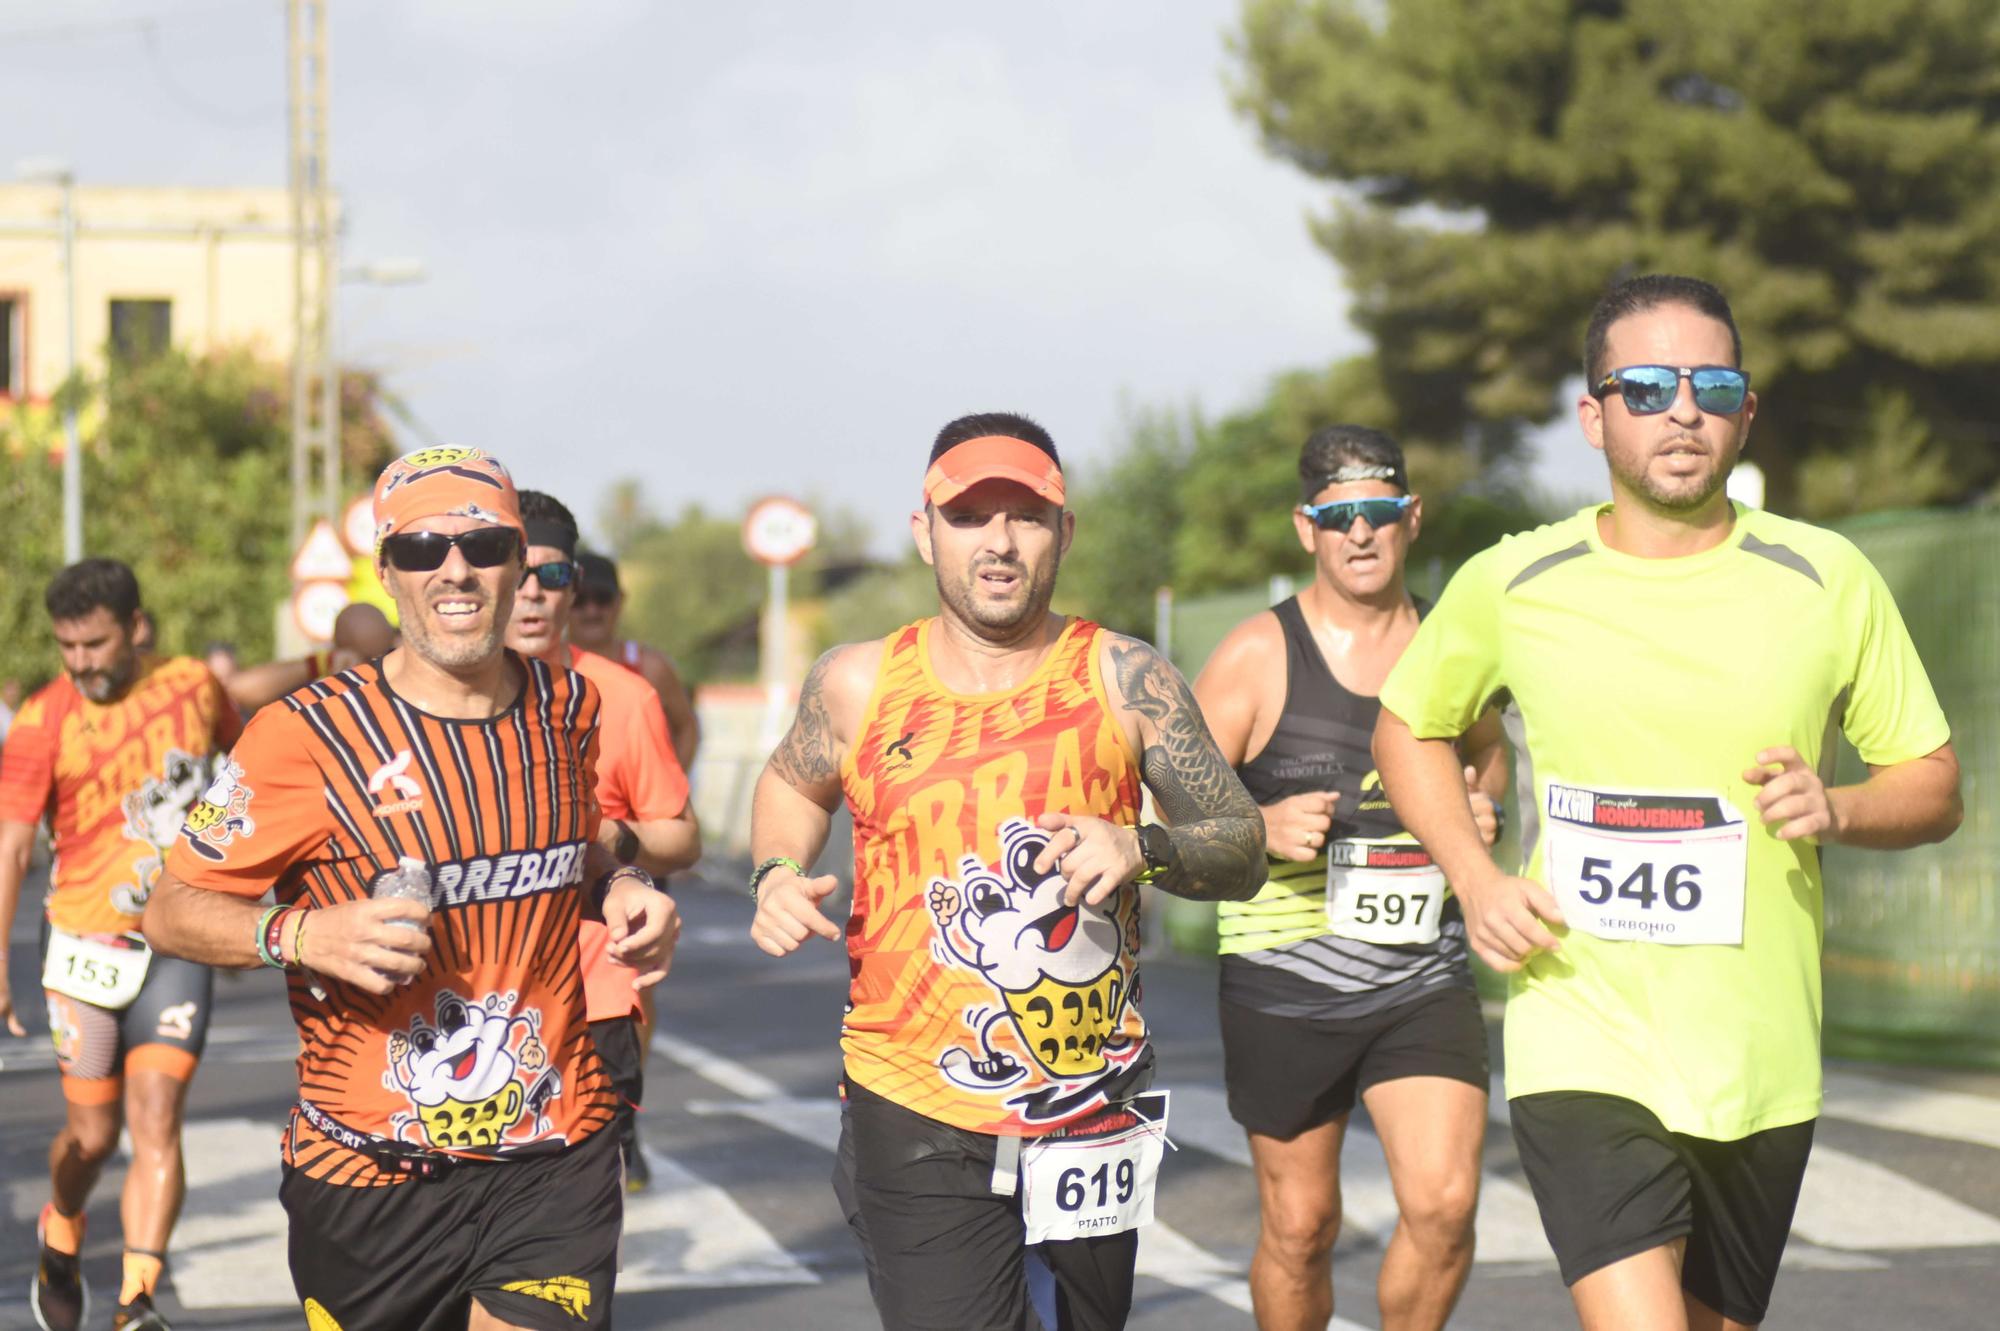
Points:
[(1900, 1225)]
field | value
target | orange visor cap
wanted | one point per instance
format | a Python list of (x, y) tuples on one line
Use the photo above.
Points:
[(993, 457), (444, 483)]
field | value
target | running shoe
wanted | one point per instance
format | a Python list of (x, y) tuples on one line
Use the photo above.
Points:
[(58, 1297), (638, 1174), (139, 1315)]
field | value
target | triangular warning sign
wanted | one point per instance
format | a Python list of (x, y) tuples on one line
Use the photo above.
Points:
[(321, 556)]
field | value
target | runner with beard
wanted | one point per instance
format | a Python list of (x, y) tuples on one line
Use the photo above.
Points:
[(1681, 663), (647, 818), (992, 758), (113, 754), (1347, 977), (448, 1088), (594, 626)]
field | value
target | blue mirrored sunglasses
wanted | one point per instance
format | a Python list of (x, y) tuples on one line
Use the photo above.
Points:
[(554, 576), (1339, 514), (1650, 389)]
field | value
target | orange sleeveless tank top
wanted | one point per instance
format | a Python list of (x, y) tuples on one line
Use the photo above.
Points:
[(977, 998)]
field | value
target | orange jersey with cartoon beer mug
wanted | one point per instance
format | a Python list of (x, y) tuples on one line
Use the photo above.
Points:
[(977, 997)]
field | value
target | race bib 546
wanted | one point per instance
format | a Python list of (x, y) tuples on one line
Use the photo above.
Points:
[(1647, 866)]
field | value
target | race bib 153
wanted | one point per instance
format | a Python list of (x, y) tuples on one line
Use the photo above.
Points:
[(1647, 866), (103, 973)]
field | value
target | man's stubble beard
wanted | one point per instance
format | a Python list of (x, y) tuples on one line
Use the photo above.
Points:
[(1677, 501), (962, 602)]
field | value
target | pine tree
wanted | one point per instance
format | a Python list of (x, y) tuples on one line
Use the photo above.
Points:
[(1833, 165)]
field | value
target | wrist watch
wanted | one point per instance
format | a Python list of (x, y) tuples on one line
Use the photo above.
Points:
[(1156, 844)]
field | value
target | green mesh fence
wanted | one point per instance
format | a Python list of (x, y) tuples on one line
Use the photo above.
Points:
[(1912, 960), (1913, 938)]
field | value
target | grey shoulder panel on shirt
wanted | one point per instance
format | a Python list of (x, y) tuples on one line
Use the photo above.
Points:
[(1547, 562), (1781, 554)]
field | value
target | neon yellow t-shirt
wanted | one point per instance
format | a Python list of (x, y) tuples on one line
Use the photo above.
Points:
[(1639, 676)]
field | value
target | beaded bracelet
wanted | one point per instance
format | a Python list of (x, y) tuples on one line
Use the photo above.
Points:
[(269, 927)]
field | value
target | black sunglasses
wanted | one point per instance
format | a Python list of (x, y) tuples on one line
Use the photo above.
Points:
[(1649, 390), (1339, 514), (554, 576), (423, 551), (589, 595)]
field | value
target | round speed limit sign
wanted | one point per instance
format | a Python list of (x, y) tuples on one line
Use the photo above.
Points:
[(779, 531)]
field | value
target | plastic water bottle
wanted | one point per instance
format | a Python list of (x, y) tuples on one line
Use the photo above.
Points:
[(410, 880)]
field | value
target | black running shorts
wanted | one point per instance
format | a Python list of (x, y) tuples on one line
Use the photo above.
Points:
[(944, 1253), (1612, 1182), (533, 1239), (1286, 1075)]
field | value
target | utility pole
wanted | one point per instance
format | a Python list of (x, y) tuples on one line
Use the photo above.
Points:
[(315, 404)]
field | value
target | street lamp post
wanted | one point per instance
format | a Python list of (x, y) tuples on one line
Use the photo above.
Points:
[(55, 172)]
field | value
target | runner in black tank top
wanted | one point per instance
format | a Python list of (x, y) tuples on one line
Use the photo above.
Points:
[(1346, 977), (1321, 743)]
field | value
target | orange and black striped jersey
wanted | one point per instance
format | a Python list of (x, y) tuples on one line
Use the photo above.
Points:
[(114, 780), (487, 1051), (977, 997)]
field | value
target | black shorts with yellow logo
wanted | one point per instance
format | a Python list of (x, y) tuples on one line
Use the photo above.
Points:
[(535, 1240)]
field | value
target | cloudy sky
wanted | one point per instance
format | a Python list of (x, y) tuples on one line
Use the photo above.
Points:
[(737, 248)]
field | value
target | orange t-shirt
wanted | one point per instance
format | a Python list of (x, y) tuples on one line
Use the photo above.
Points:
[(114, 779), (638, 778), (977, 998), (487, 1050)]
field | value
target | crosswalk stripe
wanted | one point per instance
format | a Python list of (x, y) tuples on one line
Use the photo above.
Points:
[(1848, 1202), (1508, 1226), (229, 1247), (682, 1233), (1164, 1253), (1903, 1107)]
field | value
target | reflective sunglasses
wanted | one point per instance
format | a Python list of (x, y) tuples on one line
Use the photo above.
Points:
[(1339, 514), (423, 551), (1650, 389), (554, 576)]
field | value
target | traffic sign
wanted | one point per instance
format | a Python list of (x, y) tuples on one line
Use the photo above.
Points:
[(357, 526), (779, 531), (321, 556), (316, 604)]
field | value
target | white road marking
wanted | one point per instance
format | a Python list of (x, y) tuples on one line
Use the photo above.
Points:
[(1164, 1252), (1848, 1202), (1905, 1107), (727, 1073), (814, 1122), (229, 1247), (682, 1233), (1508, 1226)]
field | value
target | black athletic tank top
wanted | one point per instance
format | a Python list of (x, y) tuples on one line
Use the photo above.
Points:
[(1278, 955)]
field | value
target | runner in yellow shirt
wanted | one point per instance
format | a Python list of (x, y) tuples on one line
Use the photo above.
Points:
[(1680, 663)]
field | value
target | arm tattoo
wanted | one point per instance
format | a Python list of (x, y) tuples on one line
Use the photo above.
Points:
[(807, 758), (1218, 833)]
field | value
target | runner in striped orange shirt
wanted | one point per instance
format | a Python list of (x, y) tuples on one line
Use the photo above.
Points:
[(992, 757), (447, 1084)]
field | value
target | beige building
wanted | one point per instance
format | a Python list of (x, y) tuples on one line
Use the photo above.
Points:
[(198, 268)]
